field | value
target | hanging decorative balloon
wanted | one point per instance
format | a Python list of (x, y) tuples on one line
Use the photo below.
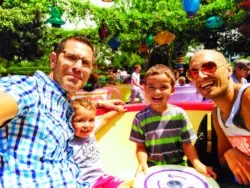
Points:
[(103, 31), (214, 22), (191, 7), (244, 29), (114, 43), (245, 5), (143, 49), (55, 16), (180, 59), (164, 37), (149, 40)]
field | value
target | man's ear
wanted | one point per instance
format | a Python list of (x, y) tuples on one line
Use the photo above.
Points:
[(230, 69), (53, 60)]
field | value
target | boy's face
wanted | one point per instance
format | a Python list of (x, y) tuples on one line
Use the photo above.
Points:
[(83, 122), (158, 89)]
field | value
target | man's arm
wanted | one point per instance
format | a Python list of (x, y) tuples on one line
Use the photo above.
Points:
[(238, 162), (245, 107), (8, 107)]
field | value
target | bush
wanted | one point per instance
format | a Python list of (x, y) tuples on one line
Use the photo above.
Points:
[(27, 70)]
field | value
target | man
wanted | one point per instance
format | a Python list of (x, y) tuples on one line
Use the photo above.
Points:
[(136, 88), (35, 119), (242, 68), (211, 75)]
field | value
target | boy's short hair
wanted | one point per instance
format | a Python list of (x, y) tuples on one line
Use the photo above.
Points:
[(83, 102), (161, 69)]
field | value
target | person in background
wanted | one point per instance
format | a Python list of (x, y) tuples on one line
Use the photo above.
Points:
[(210, 73), (181, 81), (122, 75), (35, 119), (136, 88), (86, 151), (163, 132), (241, 71)]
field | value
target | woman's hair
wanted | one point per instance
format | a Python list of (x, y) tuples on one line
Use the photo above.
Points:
[(161, 69), (83, 102)]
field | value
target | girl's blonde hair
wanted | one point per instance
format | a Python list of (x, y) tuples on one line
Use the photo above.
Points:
[(83, 102), (161, 69)]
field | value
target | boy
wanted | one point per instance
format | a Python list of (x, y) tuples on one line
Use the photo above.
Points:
[(86, 152), (163, 132)]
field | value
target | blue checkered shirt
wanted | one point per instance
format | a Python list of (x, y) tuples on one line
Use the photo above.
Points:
[(34, 148)]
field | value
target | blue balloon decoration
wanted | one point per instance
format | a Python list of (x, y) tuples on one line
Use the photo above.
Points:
[(214, 22), (114, 43), (191, 7)]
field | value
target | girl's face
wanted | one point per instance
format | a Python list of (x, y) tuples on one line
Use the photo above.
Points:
[(158, 89), (83, 122)]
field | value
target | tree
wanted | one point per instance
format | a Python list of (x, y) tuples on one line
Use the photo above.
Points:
[(24, 36)]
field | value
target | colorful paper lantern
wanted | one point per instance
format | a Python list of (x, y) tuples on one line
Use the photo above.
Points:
[(55, 17), (214, 22), (143, 49), (149, 40), (180, 59), (191, 7), (245, 5), (114, 43), (103, 31), (244, 29), (164, 37)]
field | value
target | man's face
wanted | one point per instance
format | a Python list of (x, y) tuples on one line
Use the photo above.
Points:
[(71, 68), (210, 84)]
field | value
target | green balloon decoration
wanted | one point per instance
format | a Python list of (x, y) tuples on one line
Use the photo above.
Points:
[(149, 40), (55, 17)]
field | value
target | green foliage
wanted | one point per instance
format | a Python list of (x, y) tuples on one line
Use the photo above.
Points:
[(26, 41), (27, 70)]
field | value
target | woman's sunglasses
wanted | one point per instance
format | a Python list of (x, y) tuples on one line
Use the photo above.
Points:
[(206, 68)]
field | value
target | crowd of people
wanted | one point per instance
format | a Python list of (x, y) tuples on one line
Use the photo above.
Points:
[(47, 139)]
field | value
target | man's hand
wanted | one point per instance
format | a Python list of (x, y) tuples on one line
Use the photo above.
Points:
[(239, 164), (113, 104)]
